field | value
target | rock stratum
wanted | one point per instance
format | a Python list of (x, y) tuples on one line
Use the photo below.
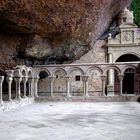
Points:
[(52, 31)]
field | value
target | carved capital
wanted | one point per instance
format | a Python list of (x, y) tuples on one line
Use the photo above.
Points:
[(18, 79), (67, 78), (51, 78), (9, 79), (10, 73), (85, 78), (121, 76), (30, 79), (1, 79), (36, 79), (103, 77)]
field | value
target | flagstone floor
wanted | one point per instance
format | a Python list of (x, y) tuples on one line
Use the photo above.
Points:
[(72, 121)]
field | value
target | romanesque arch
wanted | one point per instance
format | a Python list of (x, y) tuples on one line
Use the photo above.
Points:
[(59, 83), (43, 83), (127, 57), (94, 81), (76, 83)]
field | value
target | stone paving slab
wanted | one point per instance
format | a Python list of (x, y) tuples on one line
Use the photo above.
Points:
[(72, 121)]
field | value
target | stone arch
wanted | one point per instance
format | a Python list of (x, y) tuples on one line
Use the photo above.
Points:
[(30, 73), (129, 72), (58, 69), (43, 83), (59, 83), (24, 72), (75, 69), (125, 53), (94, 68), (76, 83), (94, 81), (43, 69), (128, 67), (111, 67)]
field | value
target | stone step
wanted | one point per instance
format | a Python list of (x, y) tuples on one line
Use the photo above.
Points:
[(88, 99)]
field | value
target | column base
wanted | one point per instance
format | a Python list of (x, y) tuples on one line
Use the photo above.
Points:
[(110, 90), (1, 102), (10, 100)]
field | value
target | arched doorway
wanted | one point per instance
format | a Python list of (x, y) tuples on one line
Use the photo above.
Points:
[(43, 84), (129, 82)]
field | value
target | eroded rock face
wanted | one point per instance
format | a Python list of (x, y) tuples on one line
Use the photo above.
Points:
[(67, 28)]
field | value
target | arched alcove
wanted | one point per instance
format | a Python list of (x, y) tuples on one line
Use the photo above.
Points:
[(129, 81), (128, 58), (43, 84)]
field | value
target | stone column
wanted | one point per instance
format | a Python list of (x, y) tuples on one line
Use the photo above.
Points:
[(30, 80), (35, 86), (51, 79), (68, 85), (121, 76), (18, 91), (9, 80), (1, 82), (103, 78), (110, 86), (25, 79), (138, 82), (85, 85)]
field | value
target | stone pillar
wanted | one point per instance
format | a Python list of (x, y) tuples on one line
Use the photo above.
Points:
[(85, 85), (51, 79), (18, 91), (25, 79), (30, 81), (1, 82), (9, 80), (68, 85), (121, 76), (103, 78), (110, 86), (35, 86)]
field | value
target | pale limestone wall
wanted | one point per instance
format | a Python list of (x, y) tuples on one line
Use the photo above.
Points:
[(94, 83), (44, 87), (59, 86), (96, 55), (76, 87)]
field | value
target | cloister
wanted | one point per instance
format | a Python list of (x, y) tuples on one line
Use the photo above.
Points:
[(67, 80), (116, 76)]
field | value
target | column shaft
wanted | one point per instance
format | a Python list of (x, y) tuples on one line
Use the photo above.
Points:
[(35, 86), (9, 91), (68, 85), (18, 91), (1, 81)]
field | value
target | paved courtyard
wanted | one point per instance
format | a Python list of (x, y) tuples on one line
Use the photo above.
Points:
[(72, 121)]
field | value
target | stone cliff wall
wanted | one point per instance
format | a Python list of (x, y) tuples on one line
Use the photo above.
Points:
[(60, 31)]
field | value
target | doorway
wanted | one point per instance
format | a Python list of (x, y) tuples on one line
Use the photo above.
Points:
[(128, 83)]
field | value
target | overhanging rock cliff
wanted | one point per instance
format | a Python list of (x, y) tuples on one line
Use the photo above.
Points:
[(60, 31)]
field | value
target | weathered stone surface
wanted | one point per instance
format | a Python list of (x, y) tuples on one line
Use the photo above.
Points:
[(68, 28), (38, 48)]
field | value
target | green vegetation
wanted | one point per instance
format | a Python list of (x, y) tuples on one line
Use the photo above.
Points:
[(136, 9)]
